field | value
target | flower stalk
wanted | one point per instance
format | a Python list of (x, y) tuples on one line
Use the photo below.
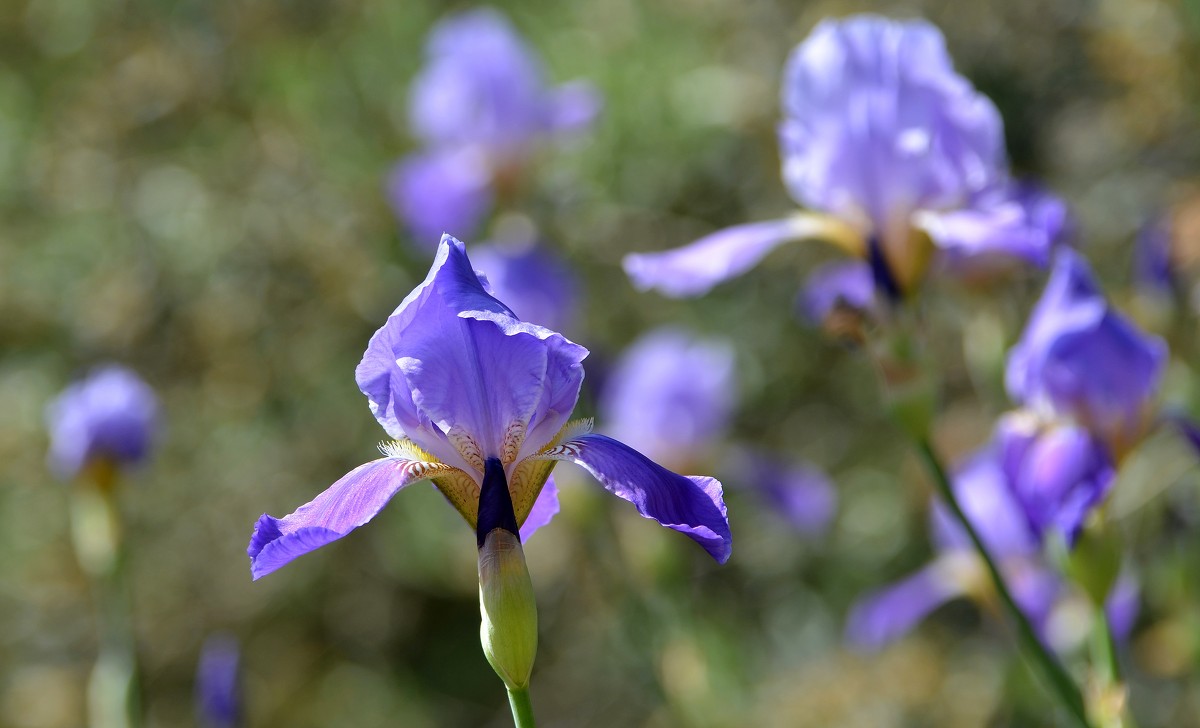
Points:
[(1060, 681)]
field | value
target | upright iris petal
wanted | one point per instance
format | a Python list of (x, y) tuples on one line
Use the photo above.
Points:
[(468, 390), (896, 154), (109, 415), (479, 105), (1081, 360)]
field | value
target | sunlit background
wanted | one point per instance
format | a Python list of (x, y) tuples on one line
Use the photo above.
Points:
[(196, 190)]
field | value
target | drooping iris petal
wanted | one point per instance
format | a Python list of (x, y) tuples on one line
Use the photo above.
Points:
[(694, 269), (1058, 474), (877, 124), (110, 414), (543, 511), (892, 612), (218, 693), (1013, 222), (829, 287), (440, 191), (455, 370), (692, 505), (1080, 359), (672, 393), (344, 506), (531, 280)]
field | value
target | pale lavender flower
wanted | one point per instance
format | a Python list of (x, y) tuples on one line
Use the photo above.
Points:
[(478, 402), (888, 146), (1082, 361), (111, 415), (801, 494), (480, 105), (673, 393), (218, 683)]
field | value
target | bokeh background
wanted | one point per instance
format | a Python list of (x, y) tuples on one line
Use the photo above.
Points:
[(195, 189)]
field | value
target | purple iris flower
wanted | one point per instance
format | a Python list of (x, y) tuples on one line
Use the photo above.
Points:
[(478, 402), (998, 504), (480, 105), (843, 285), (802, 495), (890, 149), (109, 416), (531, 279), (1082, 361), (218, 684), (672, 393)]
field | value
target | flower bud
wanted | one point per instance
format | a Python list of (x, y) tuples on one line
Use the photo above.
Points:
[(506, 604)]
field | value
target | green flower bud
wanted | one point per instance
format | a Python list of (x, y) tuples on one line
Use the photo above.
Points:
[(506, 604)]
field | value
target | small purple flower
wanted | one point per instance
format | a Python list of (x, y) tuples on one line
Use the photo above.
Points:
[(838, 286), (801, 495), (480, 105), (478, 402), (1081, 360), (890, 148), (531, 279), (111, 415), (673, 393), (218, 683)]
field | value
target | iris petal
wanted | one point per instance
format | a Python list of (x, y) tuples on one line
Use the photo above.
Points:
[(543, 511), (439, 191), (895, 610), (694, 269), (344, 506), (692, 505)]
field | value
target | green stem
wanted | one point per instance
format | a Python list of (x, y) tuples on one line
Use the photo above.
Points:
[(1108, 671), (1064, 687), (522, 709)]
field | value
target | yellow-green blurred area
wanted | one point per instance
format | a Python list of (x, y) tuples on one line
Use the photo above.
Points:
[(195, 189)]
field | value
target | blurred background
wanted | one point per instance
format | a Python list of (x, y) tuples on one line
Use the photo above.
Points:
[(196, 190)]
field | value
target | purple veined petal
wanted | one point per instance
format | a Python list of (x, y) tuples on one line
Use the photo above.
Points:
[(892, 612), (454, 370), (1014, 222), (694, 269), (574, 106), (441, 191), (692, 505), (544, 510), (839, 283), (344, 506)]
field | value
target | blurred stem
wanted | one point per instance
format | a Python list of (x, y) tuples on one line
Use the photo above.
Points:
[(522, 709), (1064, 687), (1110, 705), (96, 531)]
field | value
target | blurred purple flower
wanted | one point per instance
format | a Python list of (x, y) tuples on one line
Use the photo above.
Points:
[(111, 415), (218, 683), (887, 145), (838, 286), (998, 490), (800, 494), (1082, 361), (531, 279), (480, 104), (478, 402), (673, 393)]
